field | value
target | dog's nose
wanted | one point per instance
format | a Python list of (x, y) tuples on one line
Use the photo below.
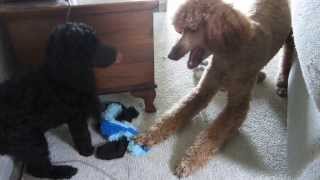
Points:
[(173, 54), (177, 52)]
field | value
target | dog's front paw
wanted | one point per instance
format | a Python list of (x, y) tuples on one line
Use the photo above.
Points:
[(86, 150), (145, 140), (63, 172), (184, 169)]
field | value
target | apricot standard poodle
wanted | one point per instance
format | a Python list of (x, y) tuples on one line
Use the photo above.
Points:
[(241, 46)]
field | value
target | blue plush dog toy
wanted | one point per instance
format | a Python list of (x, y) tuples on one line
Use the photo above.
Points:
[(114, 130)]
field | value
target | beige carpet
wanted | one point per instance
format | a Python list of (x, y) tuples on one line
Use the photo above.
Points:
[(258, 152)]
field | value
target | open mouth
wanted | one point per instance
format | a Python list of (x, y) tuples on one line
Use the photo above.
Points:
[(196, 57)]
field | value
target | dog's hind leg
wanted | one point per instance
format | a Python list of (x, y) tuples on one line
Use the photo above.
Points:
[(32, 148), (282, 82), (184, 110), (223, 128)]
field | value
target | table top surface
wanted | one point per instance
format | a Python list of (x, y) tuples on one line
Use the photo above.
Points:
[(51, 4)]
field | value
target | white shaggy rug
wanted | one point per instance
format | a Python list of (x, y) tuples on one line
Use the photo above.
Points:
[(258, 152)]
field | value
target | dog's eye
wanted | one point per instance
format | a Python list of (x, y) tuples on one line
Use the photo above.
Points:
[(192, 30), (180, 31), (189, 30)]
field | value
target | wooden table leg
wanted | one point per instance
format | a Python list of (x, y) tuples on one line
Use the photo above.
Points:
[(148, 96)]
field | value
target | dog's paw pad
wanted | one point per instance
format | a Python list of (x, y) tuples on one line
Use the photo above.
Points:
[(183, 170), (282, 91), (261, 77), (282, 81)]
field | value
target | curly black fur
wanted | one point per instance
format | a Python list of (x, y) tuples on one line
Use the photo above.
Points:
[(62, 91)]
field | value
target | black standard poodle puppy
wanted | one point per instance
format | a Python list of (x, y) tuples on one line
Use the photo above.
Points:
[(61, 91)]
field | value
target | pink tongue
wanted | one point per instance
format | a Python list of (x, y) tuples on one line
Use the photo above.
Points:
[(195, 58)]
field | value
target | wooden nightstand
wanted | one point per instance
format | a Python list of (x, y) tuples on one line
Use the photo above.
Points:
[(126, 24)]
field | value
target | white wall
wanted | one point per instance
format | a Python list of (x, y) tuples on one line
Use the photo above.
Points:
[(303, 126)]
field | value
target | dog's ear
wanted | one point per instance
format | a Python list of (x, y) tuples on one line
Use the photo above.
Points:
[(227, 28)]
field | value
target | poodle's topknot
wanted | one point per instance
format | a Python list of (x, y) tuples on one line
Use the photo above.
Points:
[(224, 25), (241, 45), (72, 40), (192, 13)]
